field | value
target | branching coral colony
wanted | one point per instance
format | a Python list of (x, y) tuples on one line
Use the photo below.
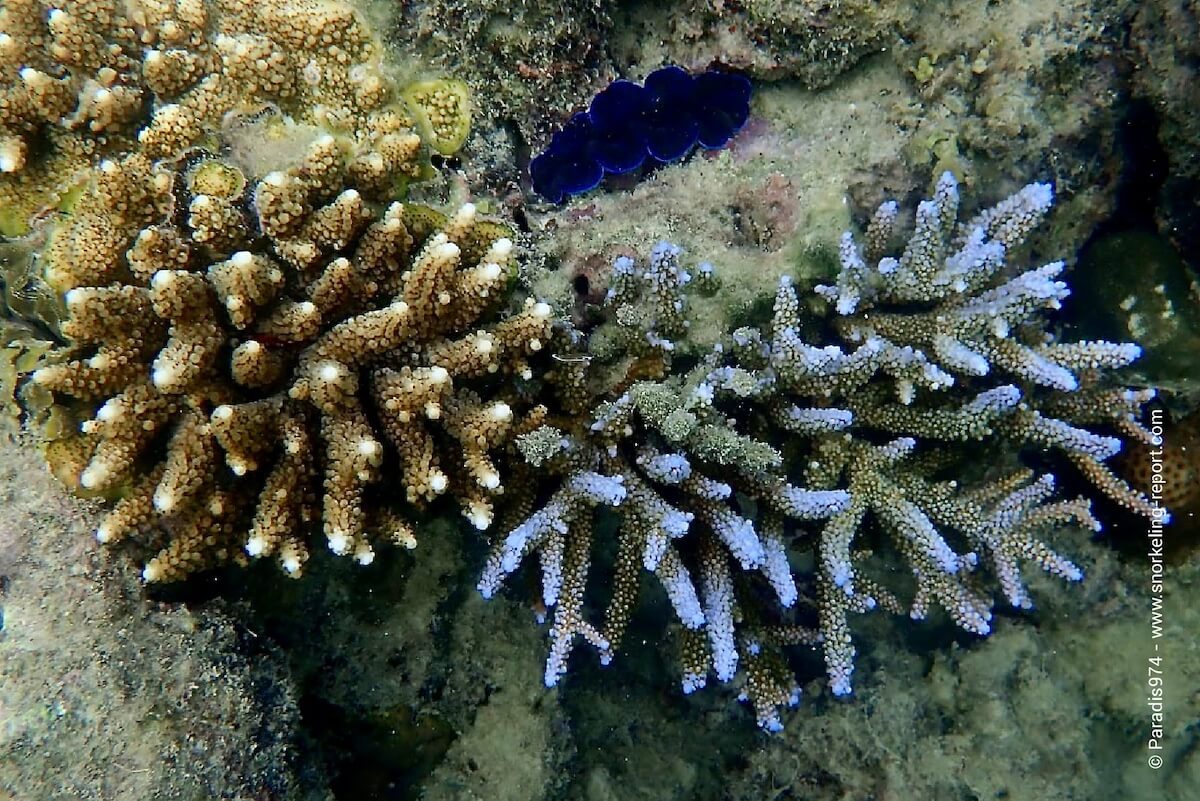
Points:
[(942, 346), (265, 357), (257, 348), (271, 381), (82, 80)]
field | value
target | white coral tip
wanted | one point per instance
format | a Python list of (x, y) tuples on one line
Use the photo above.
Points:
[(479, 516), (93, 476), (11, 158), (339, 542), (164, 501), (163, 376)]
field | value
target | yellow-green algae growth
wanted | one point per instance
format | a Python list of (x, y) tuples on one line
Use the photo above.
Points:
[(443, 111)]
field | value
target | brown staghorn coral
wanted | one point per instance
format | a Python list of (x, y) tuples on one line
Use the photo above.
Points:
[(255, 363), (84, 80), (940, 346)]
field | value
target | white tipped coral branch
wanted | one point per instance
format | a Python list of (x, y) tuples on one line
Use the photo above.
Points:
[(939, 345), (318, 376)]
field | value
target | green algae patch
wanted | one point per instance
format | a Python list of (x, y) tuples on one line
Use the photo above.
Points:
[(13, 222), (214, 177), (443, 112), (23, 293)]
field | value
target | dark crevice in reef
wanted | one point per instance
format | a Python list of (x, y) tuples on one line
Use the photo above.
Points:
[(364, 752), (1144, 172), (1129, 241), (460, 587), (1180, 194), (361, 753), (383, 755)]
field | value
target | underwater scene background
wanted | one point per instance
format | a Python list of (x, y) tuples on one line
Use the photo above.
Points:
[(590, 399)]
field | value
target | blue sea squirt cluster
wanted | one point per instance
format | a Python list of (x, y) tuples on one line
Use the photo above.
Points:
[(628, 123)]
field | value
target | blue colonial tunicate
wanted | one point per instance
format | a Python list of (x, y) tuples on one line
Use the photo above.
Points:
[(628, 123)]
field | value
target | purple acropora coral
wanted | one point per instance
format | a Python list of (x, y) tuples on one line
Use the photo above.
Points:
[(627, 123)]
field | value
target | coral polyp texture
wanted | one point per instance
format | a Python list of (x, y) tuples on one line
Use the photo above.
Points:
[(858, 456), (628, 123), (86, 79), (285, 361), (443, 111)]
